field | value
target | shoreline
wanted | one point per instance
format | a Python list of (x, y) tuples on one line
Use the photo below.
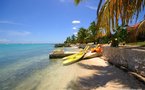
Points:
[(60, 52), (89, 74)]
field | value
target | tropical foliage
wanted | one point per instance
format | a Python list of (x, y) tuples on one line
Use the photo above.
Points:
[(68, 40), (93, 32), (111, 12), (81, 37), (84, 35)]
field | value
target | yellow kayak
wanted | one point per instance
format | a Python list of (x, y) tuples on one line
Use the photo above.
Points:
[(76, 57), (71, 56), (65, 58)]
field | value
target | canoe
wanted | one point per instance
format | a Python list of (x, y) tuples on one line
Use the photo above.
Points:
[(75, 57)]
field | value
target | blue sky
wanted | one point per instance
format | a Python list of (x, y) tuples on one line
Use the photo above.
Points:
[(44, 21)]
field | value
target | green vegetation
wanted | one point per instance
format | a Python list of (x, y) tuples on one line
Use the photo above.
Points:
[(84, 35), (92, 32), (109, 14)]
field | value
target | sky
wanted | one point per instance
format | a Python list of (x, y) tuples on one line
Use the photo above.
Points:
[(43, 21)]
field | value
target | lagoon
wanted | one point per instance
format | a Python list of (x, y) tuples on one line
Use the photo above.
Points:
[(20, 61)]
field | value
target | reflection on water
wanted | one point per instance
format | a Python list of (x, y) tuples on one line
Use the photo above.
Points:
[(9, 79), (19, 62)]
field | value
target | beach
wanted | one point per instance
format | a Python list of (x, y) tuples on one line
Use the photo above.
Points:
[(30, 68), (89, 74), (72, 45)]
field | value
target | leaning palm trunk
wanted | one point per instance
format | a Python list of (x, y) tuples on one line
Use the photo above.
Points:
[(141, 28), (111, 11), (115, 10)]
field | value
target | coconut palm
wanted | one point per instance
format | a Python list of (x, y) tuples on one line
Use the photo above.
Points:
[(141, 28), (92, 30), (73, 39), (82, 35), (111, 11), (68, 40)]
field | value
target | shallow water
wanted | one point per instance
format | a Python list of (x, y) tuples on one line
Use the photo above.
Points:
[(20, 61), (42, 79)]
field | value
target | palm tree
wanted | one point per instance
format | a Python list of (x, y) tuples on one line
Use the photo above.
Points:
[(111, 11), (93, 32), (68, 40), (82, 35), (73, 39)]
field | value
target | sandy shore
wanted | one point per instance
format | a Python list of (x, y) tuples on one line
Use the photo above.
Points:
[(91, 74)]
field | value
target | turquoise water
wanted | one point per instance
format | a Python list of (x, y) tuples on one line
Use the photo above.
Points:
[(19, 61)]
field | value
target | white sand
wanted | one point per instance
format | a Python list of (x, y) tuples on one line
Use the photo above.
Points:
[(91, 74)]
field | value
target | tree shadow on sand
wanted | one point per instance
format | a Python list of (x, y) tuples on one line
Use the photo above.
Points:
[(102, 76)]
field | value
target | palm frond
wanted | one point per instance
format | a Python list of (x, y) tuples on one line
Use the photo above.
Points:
[(113, 10), (77, 1), (100, 3)]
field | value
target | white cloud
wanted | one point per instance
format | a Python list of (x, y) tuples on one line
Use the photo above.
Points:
[(74, 28), (10, 22), (76, 22), (91, 7)]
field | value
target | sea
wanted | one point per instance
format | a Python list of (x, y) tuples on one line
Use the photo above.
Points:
[(18, 62)]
